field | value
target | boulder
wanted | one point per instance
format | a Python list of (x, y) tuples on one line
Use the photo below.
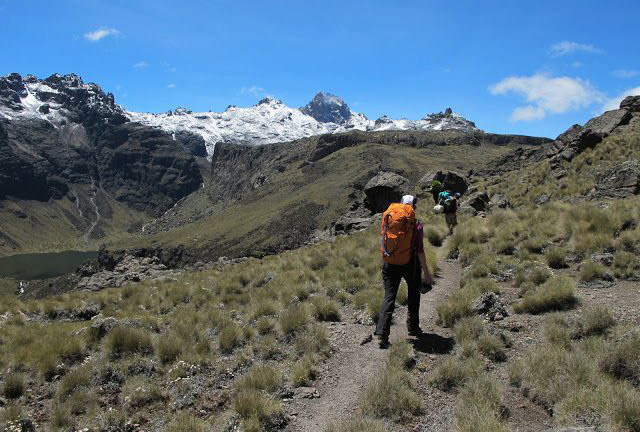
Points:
[(479, 201), (541, 200), (347, 225), (608, 121), (384, 189), (603, 258), (490, 306), (499, 201), (449, 180), (620, 181), (631, 103)]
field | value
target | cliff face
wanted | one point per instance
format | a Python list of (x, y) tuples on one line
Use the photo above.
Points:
[(60, 132)]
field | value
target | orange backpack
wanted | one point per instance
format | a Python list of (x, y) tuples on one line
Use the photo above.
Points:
[(396, 235)]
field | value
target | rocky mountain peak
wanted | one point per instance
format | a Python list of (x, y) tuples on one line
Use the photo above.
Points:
[(328, 108), (269, 101)]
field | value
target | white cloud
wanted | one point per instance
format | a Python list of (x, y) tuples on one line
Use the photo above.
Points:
[(170, 86), (614, 103), (101, 33), (568, 47), (625, 73), (253, 90), (169, 68), (141, 65), (545, 94), (576, 64)]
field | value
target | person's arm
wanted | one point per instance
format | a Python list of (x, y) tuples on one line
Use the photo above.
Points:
[(425, 269)]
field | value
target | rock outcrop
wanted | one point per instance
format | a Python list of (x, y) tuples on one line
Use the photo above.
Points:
[(383, 189), (620, 181), (449, 180)]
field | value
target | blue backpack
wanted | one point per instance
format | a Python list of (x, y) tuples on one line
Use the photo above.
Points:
[(443, 197)]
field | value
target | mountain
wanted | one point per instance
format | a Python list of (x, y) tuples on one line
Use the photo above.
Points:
[(271, 121), (69, 154)]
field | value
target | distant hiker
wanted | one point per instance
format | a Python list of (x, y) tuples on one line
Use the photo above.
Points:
[(21, 287), (436, 188), (402, 251), (451, 206)]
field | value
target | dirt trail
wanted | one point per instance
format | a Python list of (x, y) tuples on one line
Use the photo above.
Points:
[(346, 374)]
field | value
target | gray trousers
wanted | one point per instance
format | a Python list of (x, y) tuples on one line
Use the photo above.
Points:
[(391, 276)]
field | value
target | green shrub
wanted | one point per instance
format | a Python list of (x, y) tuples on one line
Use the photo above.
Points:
[(556, 294), (325, 309), (539, 275), (123, 341), (556, 257), (13, 386), (293, 319), (168, 348), (625, 265)]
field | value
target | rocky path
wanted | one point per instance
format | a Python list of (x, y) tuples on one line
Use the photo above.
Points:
[(348, 371)]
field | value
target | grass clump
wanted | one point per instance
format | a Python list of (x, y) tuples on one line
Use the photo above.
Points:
[(261, 377), (303, 371), (231, 336), (359, 424), (434, 236), (13, 386), (139, 392), (480, 407), (313, 340), (555, 294), (471, 334), (293, 319), (454, 371), (458, 305), (77, 379), (591, 271), (124, 341), (369, 300), (168, 348), (185, 422), (389, 395), (325, 309), (556, 257), (623, 360), (625, 265), (596, 320), (258, 411)]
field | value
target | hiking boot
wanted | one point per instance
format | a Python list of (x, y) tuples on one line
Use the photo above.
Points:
[(415, 332), (383, 341)]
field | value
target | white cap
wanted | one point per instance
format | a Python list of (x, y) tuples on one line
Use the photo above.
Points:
[(408, 199)]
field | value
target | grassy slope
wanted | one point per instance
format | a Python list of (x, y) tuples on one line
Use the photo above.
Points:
[(56, 225), (313, 197)]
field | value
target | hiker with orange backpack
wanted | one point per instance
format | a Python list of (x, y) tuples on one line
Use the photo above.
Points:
[(402, 249)]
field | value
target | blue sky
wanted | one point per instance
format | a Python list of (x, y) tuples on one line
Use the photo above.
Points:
[(531, 68)]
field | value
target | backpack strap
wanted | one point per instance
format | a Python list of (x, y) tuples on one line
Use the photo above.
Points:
[(383, 238)]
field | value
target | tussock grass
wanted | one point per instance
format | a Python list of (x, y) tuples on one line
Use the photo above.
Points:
[(458, 305), (168, 348), (596, 320), (261, 377), (313, 340), (623, 360), (303, 371), (480, 407), (390, 394), (13, 386), (325, 309), (258, 411), (231, 336), (454, 371), (556, 257), (625, 265), (293, 319), (591, 270), (369, 300), (139, 392), (124, 341), (185, 422), (357, 425), (555, 294)]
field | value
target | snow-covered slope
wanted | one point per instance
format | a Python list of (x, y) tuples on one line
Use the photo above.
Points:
[(272, 121)]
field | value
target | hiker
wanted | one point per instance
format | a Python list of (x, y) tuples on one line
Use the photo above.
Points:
[(443, 196), (402, 250), (21, 287), (451, 206), (436, 188)]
